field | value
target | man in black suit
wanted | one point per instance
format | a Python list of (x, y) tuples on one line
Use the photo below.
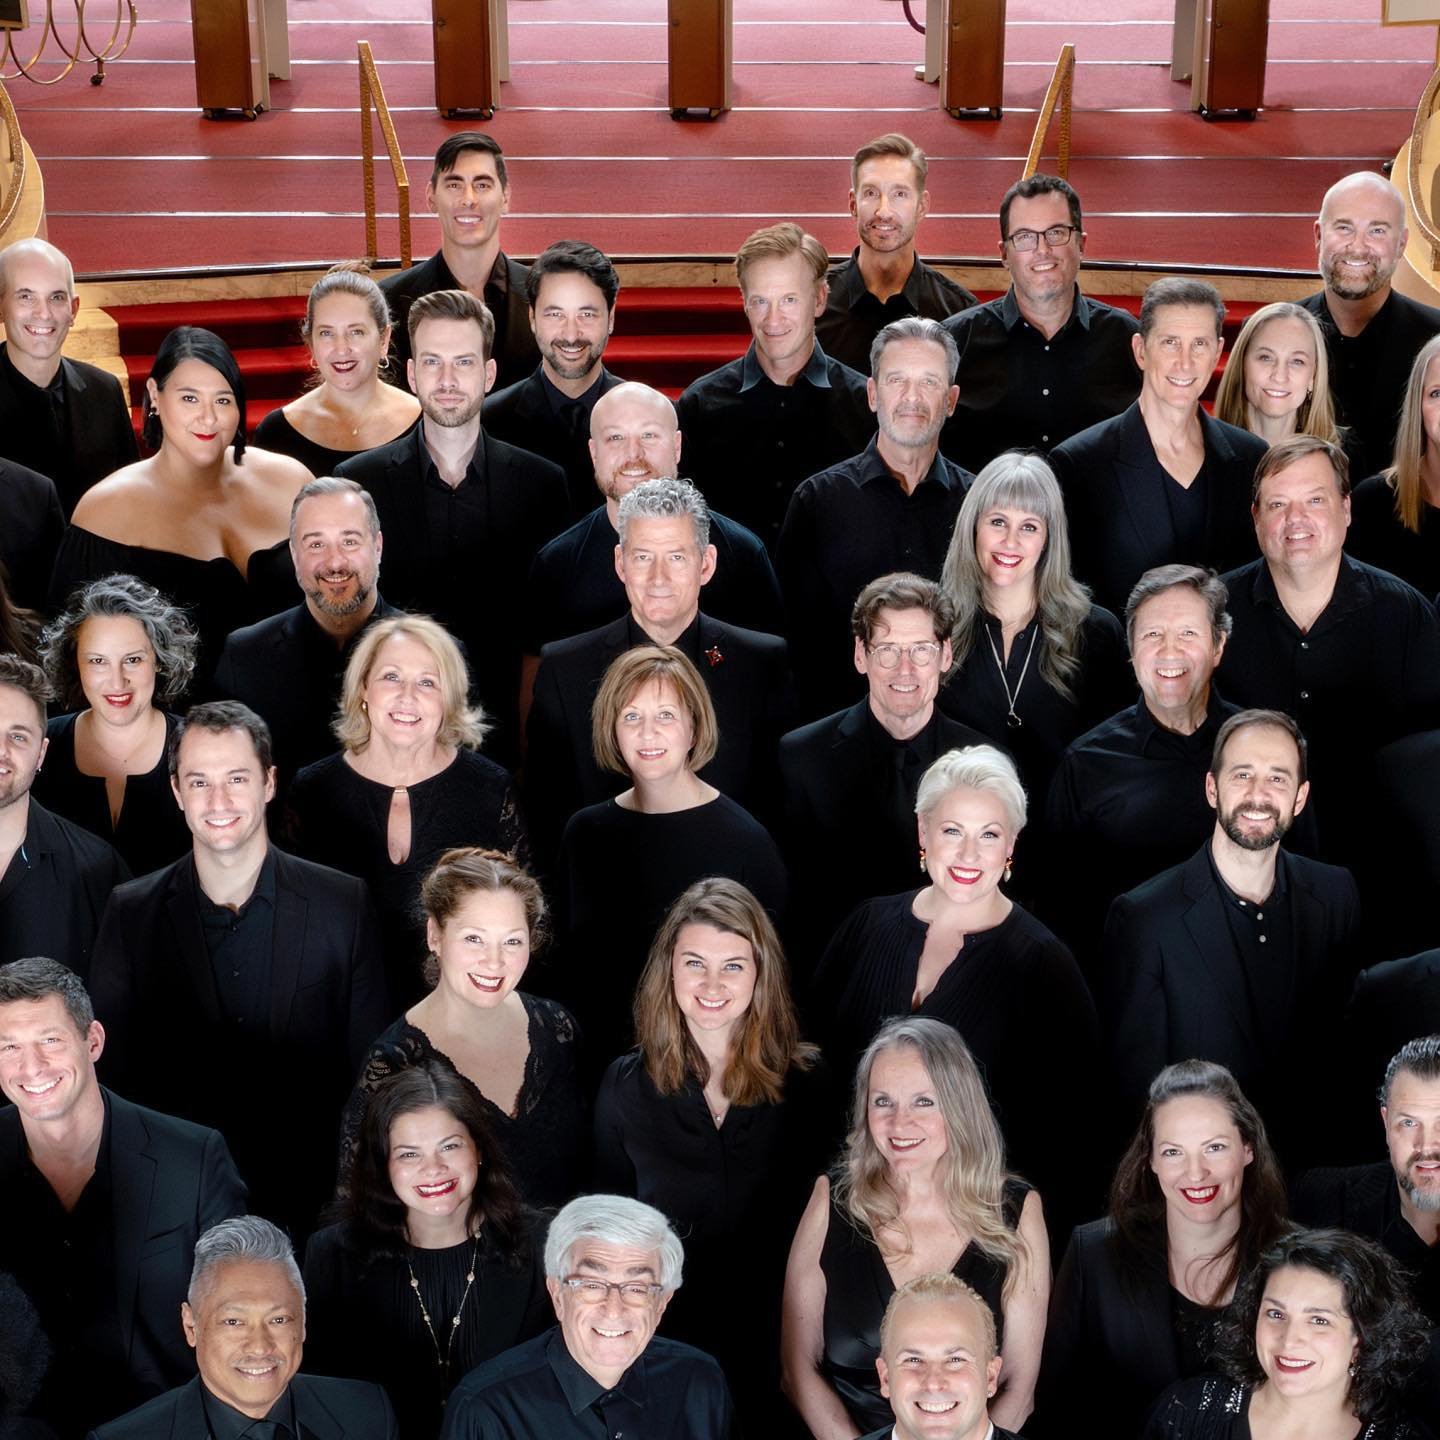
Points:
[(101, 1203), (571, 290), (1161, 483), (469, 189), (759, 425), (851, 778), (244, 1316), (289, 668), (31, 524), (1372, 332), (1043, 362), (253, 975), (884, 280), (890, 508), (55, 878), (1394, 1201), (664, 558), (464, 514), (1243, 954), (66, 419)]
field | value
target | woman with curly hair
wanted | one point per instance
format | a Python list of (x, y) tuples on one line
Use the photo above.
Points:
[(117, 653), (432, 1265), (1277, 381), (1140, 1294), (1321, 1342), (921, 1186)]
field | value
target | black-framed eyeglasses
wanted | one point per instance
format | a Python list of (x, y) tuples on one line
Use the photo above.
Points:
[(922, 655), (591, 1291), (1056, 236)]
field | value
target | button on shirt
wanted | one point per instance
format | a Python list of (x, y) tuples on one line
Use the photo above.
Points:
[(1019, 390), (240, 944), (1261, 933)]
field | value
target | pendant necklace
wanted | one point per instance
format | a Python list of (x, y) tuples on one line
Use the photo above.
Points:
[(1012, 720), (444, 1360)]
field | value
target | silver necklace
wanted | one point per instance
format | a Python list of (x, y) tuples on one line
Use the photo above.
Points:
[(444, 1360), (1012, 720)]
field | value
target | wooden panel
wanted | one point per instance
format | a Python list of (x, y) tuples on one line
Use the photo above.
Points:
[(229, 38), (701, 51), (466, 74), (972, 81), (1230, 39)]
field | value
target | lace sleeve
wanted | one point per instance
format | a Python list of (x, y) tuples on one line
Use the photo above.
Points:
[(397, 1049), (515, 836)]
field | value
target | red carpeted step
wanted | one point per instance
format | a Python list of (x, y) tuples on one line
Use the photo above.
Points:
[(240, 323)]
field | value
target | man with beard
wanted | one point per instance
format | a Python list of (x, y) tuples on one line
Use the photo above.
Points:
[(288, 669), (571, 291), (1372, 332), (1396, 1203), (1243, 954), (890, 508), (464, 514)]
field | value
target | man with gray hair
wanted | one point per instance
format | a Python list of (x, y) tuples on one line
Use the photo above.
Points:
[(1395, 1201), (289, 668), (68, 420), (890, 508), (611, 1266), (664, 558), (244, 1316)]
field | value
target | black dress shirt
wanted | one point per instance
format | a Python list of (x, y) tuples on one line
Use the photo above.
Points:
[(854, 316), (240, 943), (1377, 536), (1369, 373), (573, 586), (845, 527), (749, 442), (672, 1392), (225, 1422), (1020, 391), (1260, 933)]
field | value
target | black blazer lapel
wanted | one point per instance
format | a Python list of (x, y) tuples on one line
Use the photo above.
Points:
[(316, 1420), (132, 1182), (1215, 957), (291, 913), (182, 909), (404, 512), (1135, 467)]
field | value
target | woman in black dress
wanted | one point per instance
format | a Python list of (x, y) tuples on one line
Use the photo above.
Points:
[(203, 520), (516, 1052), (1035, 663), (962, 951), (623, 861), (431, 1230), (922, 1186), (1395, 515), (1140, 1294), (408, 783), (1321, 1341), (720, 1119), (116, 650), (351, 408)]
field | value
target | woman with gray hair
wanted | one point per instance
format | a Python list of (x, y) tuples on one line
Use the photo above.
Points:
[(960, 950), (1035, 663), (117, 653)]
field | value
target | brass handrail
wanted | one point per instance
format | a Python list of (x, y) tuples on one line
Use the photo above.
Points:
[(10, 193), (371, 92), (1062, 83), (1424, 223), (112, 49)]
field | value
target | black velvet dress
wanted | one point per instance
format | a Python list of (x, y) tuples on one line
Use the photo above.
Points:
[(858, 1287), (545, 1138), (275, 432), (151, 831)]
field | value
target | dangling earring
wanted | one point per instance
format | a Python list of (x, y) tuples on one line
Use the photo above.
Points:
[(922, 859), (1009, 867)]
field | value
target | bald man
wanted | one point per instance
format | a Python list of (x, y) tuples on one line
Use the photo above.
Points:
[(573, 587), (1372, 332), (65, 419)]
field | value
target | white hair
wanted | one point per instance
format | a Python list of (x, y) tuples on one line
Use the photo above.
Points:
[(613, 1220), (665, 500), (976, 767), (243, 1238)]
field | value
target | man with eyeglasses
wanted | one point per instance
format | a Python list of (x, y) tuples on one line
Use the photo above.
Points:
[(852, 776), (1043, 361), (611, 1266), (891, 507)]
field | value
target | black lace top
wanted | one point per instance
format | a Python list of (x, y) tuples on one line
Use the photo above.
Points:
[(1211, 1407), (545, 1139)]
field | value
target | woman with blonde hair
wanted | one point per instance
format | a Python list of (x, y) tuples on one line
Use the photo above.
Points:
[(720, 1118), (408, 783), (921, 1187), (1277, 381), (1395, 515), (352, 406)]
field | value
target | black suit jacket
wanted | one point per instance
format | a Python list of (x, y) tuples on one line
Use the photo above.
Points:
[(154, 991), (1176, 986), (515, 351), (170, 1181), (749, 683), (521, 415), (1407, 780), (325, 1409), (1110, 1345), (101, 436), (1118, 514), (31, 524)]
